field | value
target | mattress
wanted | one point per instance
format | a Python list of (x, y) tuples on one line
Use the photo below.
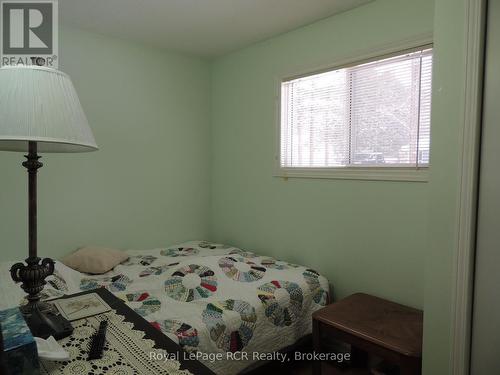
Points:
[(208, 297)]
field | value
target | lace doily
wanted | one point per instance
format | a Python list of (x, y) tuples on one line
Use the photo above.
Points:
[(126, 351)]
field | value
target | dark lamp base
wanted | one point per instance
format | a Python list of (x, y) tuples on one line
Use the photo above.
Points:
[(46, 323), (40, 316)]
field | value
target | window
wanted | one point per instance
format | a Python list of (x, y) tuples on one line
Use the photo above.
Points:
[(374, 114)]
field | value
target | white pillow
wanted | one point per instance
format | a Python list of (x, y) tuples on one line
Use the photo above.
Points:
[(95, 260)]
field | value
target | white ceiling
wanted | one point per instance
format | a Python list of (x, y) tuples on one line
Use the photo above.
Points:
[(205, 28)]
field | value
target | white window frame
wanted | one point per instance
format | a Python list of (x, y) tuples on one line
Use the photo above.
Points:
[(410, 173)]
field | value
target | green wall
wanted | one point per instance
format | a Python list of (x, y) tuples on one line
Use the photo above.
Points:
[(364, 236), (149, 184)]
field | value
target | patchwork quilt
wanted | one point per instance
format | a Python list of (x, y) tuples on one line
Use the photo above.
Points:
[(210, 298)]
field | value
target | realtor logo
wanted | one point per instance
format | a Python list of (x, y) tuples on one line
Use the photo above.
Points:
[(29, 32)]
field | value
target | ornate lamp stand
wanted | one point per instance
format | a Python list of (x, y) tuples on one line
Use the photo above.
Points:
[(39, 315)]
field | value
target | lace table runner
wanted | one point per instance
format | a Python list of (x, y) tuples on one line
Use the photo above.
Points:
[(126, 351)]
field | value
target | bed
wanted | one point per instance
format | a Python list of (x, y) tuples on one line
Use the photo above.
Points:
[(210, 298)]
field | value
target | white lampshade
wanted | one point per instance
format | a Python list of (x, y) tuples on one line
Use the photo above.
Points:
[(41, 105)]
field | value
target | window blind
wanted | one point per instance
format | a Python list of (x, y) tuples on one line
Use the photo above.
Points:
[(372, 114)]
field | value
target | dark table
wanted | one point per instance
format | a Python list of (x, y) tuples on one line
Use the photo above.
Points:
[(372, 325), (161, 341)]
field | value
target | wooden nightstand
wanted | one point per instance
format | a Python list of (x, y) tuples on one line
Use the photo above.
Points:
[(372, 325)]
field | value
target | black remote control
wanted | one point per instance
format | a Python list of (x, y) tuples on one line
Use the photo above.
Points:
[(98, 340)]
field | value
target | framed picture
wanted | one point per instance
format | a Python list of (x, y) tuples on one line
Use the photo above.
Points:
[(79, 307)]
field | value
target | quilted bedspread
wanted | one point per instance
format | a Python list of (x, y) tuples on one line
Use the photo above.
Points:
[(210, 298)]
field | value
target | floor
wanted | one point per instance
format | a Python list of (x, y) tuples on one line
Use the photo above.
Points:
[(293, 367), (304, 368)]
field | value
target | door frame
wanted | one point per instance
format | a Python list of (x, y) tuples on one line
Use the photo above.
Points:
[(463, 262)]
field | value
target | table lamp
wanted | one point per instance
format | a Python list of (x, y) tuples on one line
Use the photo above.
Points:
[(40, 112)]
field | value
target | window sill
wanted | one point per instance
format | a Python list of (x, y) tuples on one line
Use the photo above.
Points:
[(361, 173)]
